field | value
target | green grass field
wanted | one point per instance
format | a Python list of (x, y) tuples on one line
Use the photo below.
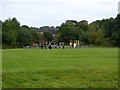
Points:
[(58, 68)]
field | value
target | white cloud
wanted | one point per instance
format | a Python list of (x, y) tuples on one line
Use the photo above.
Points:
[(54, 12)]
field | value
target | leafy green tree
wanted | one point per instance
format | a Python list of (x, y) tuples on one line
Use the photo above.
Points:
[(116, 34), (108, 26), (8, 40), (24, 37), (83, 25), (11, 28), (94, 33), (82, 34), (48, 36), (1, 33), (94, 38), (68, 32)]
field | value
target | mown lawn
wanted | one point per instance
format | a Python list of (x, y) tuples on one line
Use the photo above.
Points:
[(58, 68)]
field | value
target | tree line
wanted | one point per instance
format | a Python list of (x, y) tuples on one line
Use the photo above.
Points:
[(104, 32)]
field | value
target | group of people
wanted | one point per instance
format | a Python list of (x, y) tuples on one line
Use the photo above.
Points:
[(50, 46), (74, 45)]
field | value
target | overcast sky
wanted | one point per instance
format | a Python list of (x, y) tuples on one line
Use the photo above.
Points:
[(53, 12)]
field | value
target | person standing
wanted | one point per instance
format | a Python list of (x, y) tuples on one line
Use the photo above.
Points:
[(74, 45), (50, 47), (63, 45)]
